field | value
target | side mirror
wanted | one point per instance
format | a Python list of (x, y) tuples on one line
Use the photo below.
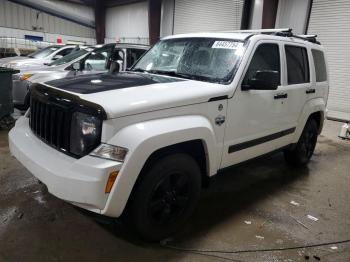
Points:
[(56, 57), (263, 80), (76, 66)]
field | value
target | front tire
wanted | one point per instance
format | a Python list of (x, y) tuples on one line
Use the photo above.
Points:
[(165, 197), (301, 154)]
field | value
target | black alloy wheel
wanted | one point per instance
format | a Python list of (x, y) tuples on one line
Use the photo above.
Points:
[(164, 196)]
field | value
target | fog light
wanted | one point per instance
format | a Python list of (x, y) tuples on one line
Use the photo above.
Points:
[(110, 182)]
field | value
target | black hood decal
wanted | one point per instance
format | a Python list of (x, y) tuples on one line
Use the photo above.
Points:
[(87, 84)]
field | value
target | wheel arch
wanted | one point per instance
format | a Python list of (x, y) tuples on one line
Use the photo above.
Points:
[(148, 140), (314, 108), (196, 148)]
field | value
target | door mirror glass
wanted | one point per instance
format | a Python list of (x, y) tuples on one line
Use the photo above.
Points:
[(263, 80), (76, 66)]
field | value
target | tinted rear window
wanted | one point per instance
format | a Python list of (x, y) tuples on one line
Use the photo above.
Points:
[(320, 65), (297, 65)]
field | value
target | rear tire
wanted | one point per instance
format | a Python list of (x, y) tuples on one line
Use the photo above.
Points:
[(300, 155), (165, 197)]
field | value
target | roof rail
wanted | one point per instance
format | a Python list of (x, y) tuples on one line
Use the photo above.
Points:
[(310, 38), (284, 32), (264, 31)]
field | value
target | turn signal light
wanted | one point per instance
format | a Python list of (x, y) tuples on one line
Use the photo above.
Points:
[(111, 179)]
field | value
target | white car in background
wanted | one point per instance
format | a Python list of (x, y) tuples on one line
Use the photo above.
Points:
[(38, 58), (87, 60)]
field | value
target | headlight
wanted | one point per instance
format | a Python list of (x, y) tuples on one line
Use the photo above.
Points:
[(25, 76), (85, 133), (110, 152)]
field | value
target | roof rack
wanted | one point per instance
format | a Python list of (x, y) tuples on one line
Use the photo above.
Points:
[(284, 32), (264, 31)]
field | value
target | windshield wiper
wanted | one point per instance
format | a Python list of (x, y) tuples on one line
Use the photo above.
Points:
[(176, 74), (171, 73)]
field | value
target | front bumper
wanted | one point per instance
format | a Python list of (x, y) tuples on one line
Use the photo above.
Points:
[(79, 181)]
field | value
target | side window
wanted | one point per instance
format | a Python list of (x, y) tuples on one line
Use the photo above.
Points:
[(320, 65), (97, 60), (133, 55), (65, 51), (297, 65), (266, 58)]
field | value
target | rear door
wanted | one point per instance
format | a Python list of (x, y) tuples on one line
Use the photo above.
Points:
[(297, 85)]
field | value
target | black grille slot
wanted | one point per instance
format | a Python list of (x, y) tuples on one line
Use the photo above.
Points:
[(51, 123)]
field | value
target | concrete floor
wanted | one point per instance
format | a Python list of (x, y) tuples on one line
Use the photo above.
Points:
[(248, 207)]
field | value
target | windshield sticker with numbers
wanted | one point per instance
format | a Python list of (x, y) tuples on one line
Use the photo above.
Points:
[(225, 44)]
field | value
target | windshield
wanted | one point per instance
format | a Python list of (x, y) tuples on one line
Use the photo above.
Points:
[(204, 59), (44, 52), (70, 57)]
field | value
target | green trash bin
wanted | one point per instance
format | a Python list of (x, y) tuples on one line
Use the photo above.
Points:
[(6, 102)]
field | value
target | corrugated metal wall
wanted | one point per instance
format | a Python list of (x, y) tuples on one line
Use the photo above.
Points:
[(129, 23), (330, 20), (207, 15), (31, 21), (287, 13)]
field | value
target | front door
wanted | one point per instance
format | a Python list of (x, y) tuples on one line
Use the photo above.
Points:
[(255, 118), (96, 61)]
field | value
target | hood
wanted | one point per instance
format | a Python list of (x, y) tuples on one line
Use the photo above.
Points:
[(25, 63), (133, 93), (32, 69), (6, 60)]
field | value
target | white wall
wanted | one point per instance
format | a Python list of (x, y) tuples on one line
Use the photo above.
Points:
[(167, 18), (34, 22), (129, 23), (292, 14), (207, 15), (48, 37)]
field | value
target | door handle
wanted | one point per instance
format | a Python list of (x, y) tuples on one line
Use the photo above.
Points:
[(219, 120), (281, 96), (310, 91)]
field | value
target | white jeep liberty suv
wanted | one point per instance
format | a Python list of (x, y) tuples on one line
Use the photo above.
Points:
[(142, 143)]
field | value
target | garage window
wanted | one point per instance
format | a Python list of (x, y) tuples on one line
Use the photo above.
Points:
[(297, 65), (320, 65)]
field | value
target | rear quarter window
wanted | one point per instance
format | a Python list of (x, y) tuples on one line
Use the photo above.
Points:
[(320, 65)]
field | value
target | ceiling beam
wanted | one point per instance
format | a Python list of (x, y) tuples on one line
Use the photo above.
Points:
[(154, 17), (100, 21)]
